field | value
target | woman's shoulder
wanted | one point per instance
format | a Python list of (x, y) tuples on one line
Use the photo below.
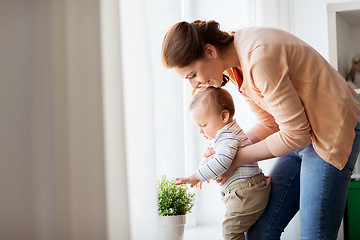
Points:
[(254, 36), (255, 32), (248, 39), (259, 42)]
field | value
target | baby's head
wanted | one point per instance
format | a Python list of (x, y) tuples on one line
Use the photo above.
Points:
[(211, 109)]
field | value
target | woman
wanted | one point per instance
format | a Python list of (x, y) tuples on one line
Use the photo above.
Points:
[(307, 118)]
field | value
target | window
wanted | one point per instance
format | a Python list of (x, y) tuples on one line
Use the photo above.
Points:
[(178, 144), (161, 139)]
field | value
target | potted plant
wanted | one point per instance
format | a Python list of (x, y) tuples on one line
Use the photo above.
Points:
[(174, 202)]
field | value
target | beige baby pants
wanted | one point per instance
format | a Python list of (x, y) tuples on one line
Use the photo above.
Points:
[(244, 201)]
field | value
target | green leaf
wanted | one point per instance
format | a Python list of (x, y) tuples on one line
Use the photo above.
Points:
[(174, 199)]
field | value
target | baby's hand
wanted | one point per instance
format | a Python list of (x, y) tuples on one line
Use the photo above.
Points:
[(192, 180), (199, 185), (182, 180)]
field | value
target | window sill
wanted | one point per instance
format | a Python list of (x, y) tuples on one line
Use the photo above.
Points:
[(208, 232)]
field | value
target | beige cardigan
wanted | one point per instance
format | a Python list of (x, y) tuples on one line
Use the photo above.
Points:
[(296, 95)]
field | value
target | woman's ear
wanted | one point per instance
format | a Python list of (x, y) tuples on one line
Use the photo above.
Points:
[(225, 116), (210, 51)]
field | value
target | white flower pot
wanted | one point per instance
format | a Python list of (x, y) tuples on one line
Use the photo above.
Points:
[(172, 227)]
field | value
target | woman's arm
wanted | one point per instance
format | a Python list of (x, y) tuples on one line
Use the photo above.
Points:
[(252, 153), (257, 151), (252, 137)]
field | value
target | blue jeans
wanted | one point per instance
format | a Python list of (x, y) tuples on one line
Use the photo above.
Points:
[(303, 180)]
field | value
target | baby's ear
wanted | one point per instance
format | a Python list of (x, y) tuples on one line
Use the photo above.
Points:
[(225, 115)]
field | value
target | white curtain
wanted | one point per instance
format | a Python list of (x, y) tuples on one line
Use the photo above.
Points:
[(90, 138), (274, 13), (139, 119), (63, 171), (117, 210)]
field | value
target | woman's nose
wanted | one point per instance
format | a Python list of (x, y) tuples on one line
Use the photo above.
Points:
[(194, 84)]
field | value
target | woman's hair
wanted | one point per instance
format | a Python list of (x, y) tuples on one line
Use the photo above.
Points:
[(185, 42), (218, 99)]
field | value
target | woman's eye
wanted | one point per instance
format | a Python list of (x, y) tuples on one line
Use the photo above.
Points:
[(192, 76)]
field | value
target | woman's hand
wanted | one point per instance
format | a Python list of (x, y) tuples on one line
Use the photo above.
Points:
[(232, 169), (245, 155), (209, 154), (225, 176)]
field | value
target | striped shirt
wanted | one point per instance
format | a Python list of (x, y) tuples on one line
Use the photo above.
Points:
[(226, 144)]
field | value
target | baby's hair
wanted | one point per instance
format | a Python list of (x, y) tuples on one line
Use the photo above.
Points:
[(201, 87), (218, 99)]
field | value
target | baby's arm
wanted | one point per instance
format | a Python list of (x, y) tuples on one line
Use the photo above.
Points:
[(221, 160)]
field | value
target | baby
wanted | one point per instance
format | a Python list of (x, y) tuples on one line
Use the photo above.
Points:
[(245, 194)]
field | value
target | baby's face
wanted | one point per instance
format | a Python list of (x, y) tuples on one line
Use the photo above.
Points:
[(207, 120)]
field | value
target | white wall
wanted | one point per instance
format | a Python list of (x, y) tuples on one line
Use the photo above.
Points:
[(310, 23)]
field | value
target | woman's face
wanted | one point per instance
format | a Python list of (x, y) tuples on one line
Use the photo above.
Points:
[(206, 71)]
